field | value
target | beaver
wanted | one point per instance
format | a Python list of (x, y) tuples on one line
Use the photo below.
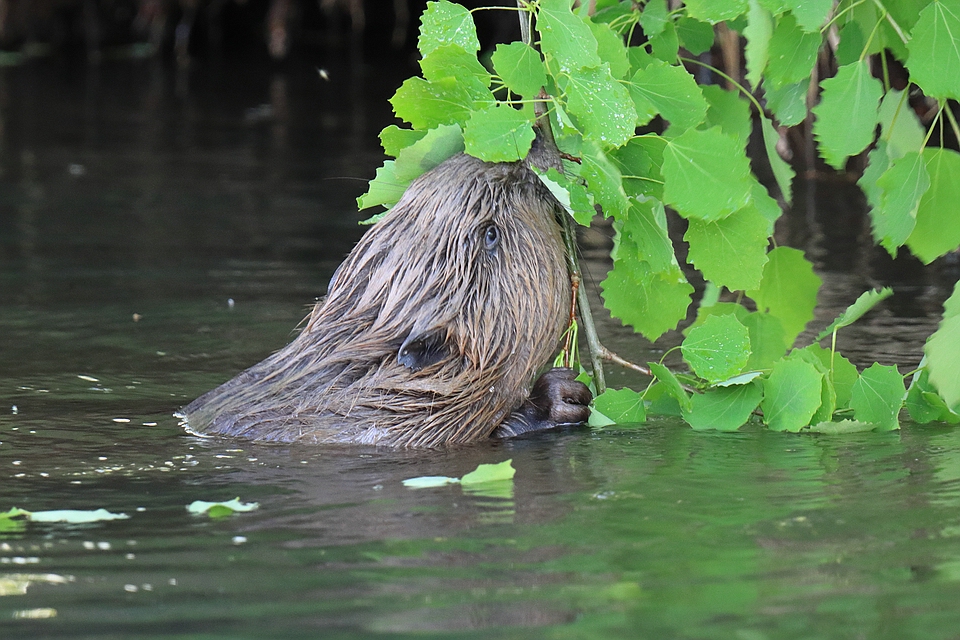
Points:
[(432, 328)]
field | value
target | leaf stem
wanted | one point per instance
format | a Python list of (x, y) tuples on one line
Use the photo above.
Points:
[(739, 86), (893, 23), (953, 122)]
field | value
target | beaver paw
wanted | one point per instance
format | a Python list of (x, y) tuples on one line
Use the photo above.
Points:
[(557, 398)]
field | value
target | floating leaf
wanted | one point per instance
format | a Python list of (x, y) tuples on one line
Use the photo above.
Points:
[(447, 23), (788, 290), (498, 134), (706, 175), (520, 68), (219, 509), (621, 406), (938, 226), (718, 348), (723, 409), (841, 427), (782, 171), (428, 482), (791, 395), (672, 92), (69, 516), (498, 472), (847, 115), (867, 301), (730, 252), (942, 352), (934, 61), (878, 396)]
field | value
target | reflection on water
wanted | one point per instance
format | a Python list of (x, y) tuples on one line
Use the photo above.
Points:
[(137, 203)]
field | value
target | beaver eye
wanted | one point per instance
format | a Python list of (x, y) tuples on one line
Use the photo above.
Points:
[(491, 237)]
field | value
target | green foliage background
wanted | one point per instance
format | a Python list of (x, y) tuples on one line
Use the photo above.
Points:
[(599, 92)]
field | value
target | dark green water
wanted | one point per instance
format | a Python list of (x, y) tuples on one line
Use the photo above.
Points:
[(134, 191)]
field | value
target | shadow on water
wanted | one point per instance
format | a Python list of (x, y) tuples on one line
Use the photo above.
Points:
[(137, 202)]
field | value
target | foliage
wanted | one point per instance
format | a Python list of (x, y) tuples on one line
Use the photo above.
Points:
[(638, 134)]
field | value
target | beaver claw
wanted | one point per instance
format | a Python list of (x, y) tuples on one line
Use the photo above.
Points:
[(556, 399)]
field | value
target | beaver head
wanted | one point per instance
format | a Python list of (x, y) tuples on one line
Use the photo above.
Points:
[(433, 326)]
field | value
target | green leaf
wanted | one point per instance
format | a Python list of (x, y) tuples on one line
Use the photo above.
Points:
[(714, 11), (447, 23), (943, 352), (841, 427), (654, 17), (393, 139), (723, 409), (788, 290), (565, 37), (938, 226), (520, 68), (878, 396), (643, 229), (652, 303), (867, 301), (72, 516), (666, 45), (782, 171), (851, 43), (828, 395), (498, 134), (728, 111), (900, 127), (639, 162), (611, 49), (924, 403), (706, 175), (429, 482), (452, 61), (768, 340), (810, 14), (842, 372), (445, 101), (717, 349), (878, 161), (788, 103), (671, 385), (571, 194), (847, 115), (490, 473), (445, 141), (601, 105), (694, 36), (220, 509), (934, 61), (622, 406), (758, 32), (603, 180), (384, 189), (672, 92), (791, 395), (791, 54), (732, 251), (902, 186)]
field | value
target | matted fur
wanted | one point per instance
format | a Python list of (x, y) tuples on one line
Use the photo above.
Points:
[(423, 270)]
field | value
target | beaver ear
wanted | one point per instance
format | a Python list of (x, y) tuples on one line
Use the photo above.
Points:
[(419, 352)]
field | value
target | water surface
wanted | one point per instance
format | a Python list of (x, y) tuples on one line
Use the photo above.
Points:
[(136, 203)]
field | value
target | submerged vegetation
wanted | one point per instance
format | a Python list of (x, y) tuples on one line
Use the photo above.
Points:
[(639, 136)]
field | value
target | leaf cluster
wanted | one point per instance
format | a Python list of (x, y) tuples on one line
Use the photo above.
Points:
[(620, 87)]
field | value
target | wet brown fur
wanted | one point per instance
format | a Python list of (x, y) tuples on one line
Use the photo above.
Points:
[(423, 270)]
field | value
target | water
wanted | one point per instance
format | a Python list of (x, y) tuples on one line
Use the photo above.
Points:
[(136, 202)]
